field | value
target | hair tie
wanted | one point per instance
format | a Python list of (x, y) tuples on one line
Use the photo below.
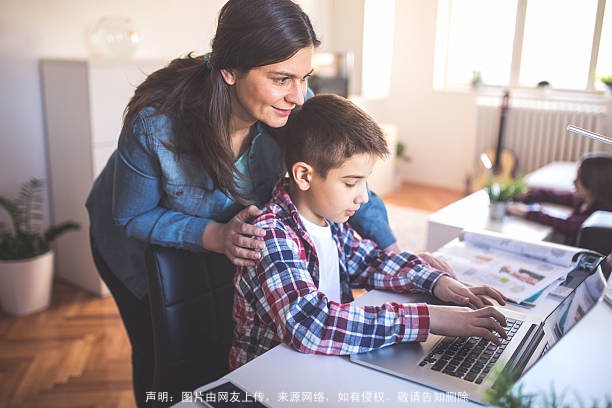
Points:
[(207, 60)]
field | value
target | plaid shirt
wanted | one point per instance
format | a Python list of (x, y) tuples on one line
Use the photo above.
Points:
[(569, 226), (277, 300)]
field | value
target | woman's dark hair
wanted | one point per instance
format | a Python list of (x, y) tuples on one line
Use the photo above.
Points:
[(595, 174), (193, 94)]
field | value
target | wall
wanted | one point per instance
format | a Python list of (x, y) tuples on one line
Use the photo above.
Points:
[(438, 128), (347, 17), (34, 29)]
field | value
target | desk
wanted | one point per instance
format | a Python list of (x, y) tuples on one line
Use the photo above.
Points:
[(472, 212), (284, 370)]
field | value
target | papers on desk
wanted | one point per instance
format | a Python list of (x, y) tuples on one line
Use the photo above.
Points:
[(519, 269)]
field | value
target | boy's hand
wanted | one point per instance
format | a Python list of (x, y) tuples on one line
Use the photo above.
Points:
[(451, 290), (393, 248), (519, 209), (464, 322), (438, 263)]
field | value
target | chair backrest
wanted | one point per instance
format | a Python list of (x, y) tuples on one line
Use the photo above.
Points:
[(191, 297), (596, 232)]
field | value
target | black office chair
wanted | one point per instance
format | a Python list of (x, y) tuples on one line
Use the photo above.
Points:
[(191, 296), (596, 232)]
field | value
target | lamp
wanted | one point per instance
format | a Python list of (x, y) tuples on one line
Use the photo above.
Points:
[(589, 134)]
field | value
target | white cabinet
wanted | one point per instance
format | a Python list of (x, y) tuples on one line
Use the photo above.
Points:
[(83, 103)]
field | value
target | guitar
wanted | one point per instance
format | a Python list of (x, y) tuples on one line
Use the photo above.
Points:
[(503, 161)]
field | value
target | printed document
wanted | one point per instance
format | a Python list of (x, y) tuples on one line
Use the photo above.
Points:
[(519, 269)]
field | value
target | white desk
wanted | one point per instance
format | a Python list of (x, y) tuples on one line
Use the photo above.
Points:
[(581, 361), (472, 212)]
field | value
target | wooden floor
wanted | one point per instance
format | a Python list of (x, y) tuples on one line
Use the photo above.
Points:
[(77, 354), (422, 196)]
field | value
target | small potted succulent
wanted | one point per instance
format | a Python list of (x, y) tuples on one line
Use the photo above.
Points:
[(476, 80), (607, 81), (502, 192), (26, 258)]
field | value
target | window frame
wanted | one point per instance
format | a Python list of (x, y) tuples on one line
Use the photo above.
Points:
[(442, 33)]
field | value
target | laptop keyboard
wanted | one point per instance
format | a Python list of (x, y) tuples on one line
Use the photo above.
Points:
[(469, 358)]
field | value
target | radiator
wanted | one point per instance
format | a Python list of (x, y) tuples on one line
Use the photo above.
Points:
[(536, 130)]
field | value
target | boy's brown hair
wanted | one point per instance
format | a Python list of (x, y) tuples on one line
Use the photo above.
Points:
[(328, 130)]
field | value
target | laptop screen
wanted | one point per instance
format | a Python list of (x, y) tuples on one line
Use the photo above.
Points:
[(573, 308)]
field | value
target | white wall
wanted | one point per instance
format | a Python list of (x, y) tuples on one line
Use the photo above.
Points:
[(34, 29), (346, 33), (437, 128)]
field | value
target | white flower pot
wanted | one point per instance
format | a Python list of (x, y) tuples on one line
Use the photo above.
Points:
[(25, 285), (497, 210)]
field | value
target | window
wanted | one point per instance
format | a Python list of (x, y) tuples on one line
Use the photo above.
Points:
[(378, 16), (604, 63), (519, 43)]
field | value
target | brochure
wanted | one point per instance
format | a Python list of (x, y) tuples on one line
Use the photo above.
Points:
[(519, 269)]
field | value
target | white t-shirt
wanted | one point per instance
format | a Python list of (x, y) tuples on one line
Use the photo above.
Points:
[(327, 254)]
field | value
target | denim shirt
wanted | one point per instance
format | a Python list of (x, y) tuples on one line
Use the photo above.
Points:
[(147, 194)]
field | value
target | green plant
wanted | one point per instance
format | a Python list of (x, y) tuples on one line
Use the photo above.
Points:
[(400, 152), (543, 84), (607, 79), (26, 240), (504, 394), (505, 191), (476, 78)]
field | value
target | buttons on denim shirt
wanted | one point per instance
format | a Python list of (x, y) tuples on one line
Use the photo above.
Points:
[(184, 197)]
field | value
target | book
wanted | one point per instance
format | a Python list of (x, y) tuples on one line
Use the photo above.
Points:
[(518, 268)]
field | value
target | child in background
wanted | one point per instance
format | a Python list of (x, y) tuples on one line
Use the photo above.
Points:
[(299, 293), (593, 192)]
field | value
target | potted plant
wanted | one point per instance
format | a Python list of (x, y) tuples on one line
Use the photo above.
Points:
[(502, 192), (476, 80), (607, 81), (26, 258)]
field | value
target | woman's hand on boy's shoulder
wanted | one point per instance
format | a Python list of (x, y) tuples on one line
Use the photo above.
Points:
[(238, 239), (451, 290)]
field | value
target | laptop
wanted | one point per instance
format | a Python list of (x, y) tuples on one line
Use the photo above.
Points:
[(471, 364)]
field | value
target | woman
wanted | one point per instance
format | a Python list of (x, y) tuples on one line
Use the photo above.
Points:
[(195, 148)]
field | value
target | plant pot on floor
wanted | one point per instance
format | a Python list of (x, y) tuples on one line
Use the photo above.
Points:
[(26, 259), (25, 285)]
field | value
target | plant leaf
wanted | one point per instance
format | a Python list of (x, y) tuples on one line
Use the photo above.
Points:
[(53, 232), (26, 241), (12, 208)]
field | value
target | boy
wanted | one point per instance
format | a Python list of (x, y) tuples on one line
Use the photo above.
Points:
[(299, 292)]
